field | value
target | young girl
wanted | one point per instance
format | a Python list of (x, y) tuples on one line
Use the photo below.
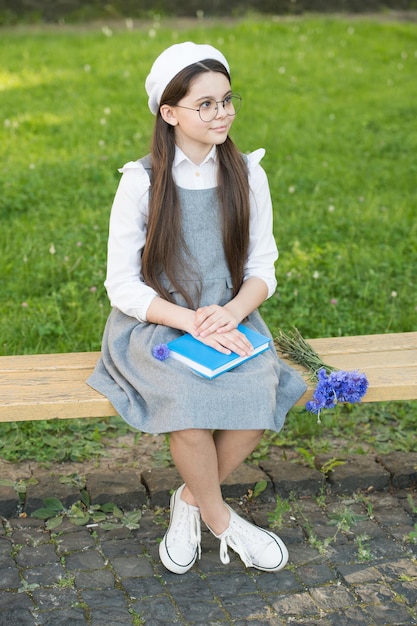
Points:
[(191, 250)]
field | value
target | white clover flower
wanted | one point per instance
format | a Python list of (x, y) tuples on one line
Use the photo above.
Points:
[(52, 249)]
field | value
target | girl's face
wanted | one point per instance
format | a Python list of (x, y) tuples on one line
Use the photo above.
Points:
[(192, 135)]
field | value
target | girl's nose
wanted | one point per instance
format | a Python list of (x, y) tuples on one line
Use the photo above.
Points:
[(221, 110)]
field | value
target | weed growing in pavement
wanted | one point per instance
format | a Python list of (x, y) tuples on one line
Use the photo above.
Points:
[(254, 493), (364, 552), (344, 518), (412, 504), (159, 517), (66, 582), (82, 513), (137, 619), (277, 517), (412, 536), (27, 587)]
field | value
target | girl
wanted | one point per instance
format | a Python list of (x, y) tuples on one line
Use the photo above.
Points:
[(191, 250)]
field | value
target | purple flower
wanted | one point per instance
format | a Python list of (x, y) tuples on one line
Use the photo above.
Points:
[(337, 386), (160, 352)]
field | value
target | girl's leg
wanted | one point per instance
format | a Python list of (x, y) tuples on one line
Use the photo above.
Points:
[(204, 462), (233, 447), (195, 456)]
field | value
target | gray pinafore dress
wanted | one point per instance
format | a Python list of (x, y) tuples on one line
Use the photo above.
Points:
[(162, 396)]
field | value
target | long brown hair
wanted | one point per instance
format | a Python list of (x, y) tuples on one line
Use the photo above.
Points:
[(164, 239)]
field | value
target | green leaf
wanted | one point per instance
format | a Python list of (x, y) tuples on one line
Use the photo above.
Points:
[(54, 504), (259, 487), (80, 520), (76, 511), (43, 513), (108, 507), (131, 525), (54, 522), (85, 497), (117, 512), (133, 516), (20, 486)]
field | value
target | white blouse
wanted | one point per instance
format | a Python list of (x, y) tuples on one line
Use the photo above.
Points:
[(128, 221)]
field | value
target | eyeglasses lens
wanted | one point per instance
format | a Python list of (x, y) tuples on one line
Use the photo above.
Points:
[(231, 106)]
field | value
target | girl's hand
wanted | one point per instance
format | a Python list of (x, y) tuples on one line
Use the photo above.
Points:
[(229, 341), (213, 319)]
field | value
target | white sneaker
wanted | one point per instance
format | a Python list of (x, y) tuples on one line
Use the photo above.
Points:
[(256, 546), (180, 546)]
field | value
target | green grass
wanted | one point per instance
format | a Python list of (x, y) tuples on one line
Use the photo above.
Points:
[(333, 101)]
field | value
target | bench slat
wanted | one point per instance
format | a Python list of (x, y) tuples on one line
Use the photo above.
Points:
[(34, 387), (49, 362), (364, 344)]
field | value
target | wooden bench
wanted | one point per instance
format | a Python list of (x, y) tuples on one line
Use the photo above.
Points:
[(53, 385)]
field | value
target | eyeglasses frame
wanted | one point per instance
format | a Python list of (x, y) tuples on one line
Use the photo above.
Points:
[(232, 95)]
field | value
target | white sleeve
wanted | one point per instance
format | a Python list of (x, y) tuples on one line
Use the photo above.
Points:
[(262, 246), (127, 235)]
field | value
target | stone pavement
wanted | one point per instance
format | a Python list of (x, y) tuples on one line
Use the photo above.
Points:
[(352, 539)]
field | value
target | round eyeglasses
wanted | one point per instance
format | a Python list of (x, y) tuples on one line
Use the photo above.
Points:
[(208, 110)]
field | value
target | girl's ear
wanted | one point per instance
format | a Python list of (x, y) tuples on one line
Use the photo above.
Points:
[(168, 114)]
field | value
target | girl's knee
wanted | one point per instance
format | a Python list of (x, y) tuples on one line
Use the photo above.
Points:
[(190, 436)]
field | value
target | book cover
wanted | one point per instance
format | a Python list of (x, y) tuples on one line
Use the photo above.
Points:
[(209, 362)]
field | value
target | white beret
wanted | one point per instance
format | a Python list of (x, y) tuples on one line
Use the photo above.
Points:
[(171, 62)]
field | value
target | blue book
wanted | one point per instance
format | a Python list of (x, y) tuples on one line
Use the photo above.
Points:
[(209, 362)]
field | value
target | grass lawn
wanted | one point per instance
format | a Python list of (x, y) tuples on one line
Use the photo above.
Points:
[(333, 101)]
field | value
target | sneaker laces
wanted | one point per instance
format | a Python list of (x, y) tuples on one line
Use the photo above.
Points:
[(229, 539), (241, 538), (195, 529)]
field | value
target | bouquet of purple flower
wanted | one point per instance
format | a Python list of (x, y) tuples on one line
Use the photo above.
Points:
[(333, 385)]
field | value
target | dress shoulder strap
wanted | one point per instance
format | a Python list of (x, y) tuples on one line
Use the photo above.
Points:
[(147, 164)]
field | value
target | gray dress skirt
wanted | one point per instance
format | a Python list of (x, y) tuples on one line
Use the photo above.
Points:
[(162, 396)]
